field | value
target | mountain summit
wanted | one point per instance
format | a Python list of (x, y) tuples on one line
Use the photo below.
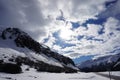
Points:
[(17, 48)]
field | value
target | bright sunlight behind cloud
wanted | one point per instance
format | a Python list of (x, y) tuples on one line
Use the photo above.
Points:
[(73, 28)]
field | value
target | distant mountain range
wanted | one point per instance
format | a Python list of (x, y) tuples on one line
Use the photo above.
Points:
[(17, 48), (106, 63)]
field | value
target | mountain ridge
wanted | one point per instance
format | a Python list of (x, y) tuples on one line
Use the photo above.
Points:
[(31, 52), (100, 64)]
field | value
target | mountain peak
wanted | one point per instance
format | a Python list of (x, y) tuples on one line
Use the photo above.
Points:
[(12, 33)]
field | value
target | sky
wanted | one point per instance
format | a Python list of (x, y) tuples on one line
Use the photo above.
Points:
[(79, 29)]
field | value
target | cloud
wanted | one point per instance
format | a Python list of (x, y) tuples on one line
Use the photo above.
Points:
[(93, 47), (112, 11), (23, 14), (36, 17), (57, 48), (72, 10), (92, 30), (51, 22), (51, 40), (86, 9)]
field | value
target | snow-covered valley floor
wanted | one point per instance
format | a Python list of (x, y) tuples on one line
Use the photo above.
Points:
[(33, 75)]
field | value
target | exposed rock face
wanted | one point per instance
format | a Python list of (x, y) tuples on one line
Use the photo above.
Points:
[(10, 68), (23, 40)]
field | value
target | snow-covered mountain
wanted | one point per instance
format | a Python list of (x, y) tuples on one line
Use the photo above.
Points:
[(18, 48), (111, 62)]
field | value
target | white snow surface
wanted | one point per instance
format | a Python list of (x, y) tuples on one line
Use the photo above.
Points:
[(116, 73), (34, 75)]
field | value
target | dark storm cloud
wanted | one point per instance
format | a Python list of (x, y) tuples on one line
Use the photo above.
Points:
[(24, 14)]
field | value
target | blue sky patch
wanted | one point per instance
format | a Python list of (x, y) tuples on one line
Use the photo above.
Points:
[(101, 31), (83, 58), (80, 37), (98, 21), (93, 38), (45, 40), (109, 3), (75, 24)]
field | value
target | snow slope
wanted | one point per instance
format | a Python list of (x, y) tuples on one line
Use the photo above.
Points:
[(8, 49)]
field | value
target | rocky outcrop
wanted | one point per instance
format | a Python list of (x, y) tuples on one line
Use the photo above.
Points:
[(10, 68)]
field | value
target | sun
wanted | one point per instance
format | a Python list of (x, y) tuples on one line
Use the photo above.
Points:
[(66, 33)]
